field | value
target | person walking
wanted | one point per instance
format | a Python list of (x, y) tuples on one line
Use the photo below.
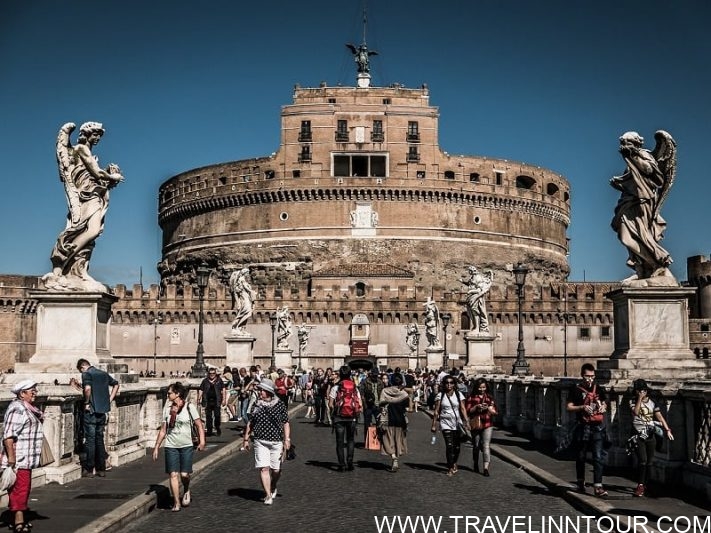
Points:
[(645, 412), (212, 396), (481, 407), (588, 401), (450, 413), (372, 389), (394, 436), (345, 402), (22, 446), (318, 388), (95, 384), (268, 427), (176, 430)]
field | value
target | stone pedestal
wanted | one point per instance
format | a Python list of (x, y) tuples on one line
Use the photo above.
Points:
[(434, 357), (651, 335), (239, 351), (70, 326), (284, 359), (480, 353)]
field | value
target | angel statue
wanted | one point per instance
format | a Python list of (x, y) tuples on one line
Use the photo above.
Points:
[(478, 286), (283, 331), (303, 335), (412, 337), (431, 323), (242, 298), (361, 55), (638, 222), (86, 186)]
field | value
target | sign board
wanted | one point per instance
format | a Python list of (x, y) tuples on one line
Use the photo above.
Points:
[(453, 356), (359, 348)]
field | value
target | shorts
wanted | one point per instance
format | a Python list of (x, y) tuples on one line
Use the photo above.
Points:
[(19, 493), (179, 460), (267, 454)]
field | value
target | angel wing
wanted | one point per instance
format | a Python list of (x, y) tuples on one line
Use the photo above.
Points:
[(372, 53), (352, 48), (665, 154), (64, 162), (231, 283)]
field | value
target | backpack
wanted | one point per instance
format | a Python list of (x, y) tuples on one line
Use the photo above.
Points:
[(347, 400), (590, 398)]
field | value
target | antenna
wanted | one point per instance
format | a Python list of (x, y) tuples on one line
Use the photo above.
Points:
[(365, 19)]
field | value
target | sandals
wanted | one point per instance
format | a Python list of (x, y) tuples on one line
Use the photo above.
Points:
[(175, 508), (186, 499), (22, 527)]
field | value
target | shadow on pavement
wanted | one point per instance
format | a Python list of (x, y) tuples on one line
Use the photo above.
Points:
[(247, 494), (163, 498), (372, 465), (328, 465), (437, 467)]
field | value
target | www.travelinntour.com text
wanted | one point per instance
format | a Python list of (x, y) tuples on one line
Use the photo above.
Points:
[(541, 524)]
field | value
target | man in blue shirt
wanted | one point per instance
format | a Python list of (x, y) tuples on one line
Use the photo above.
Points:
[(95, 385)]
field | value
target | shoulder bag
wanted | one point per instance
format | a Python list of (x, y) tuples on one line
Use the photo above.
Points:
[(194, 433)]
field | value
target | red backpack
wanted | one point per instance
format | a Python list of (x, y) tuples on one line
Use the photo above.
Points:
[(347, 400), (591, 397)]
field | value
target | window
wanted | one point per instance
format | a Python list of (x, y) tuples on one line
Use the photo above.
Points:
[(342, 131), (412, 154), (377, 135), (499, 176), (449, 174), (295, 173), (360, 165), (552, 189), (331, 100), (413, 132), (605, 332), (305, 132), (420, 174), (268, 174), (360, 288), (305, 154), (704, 327), (474, 177), (223, 180), (584, 333), (387, 101), (525, 182)]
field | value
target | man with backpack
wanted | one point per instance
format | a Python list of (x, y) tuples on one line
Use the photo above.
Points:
[(345, 402), (588, 401)]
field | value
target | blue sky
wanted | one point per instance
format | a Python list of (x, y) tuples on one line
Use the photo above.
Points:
[(182, 84)]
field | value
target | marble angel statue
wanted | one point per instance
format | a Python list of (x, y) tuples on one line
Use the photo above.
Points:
[(283, 327), (478, 286), (242, 299), (431, 323)]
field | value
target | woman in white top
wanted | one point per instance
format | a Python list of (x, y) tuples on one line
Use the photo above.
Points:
[(449, 412), (645, 412)]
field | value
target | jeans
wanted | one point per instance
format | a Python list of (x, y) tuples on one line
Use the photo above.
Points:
[(212, 411), (370, 414), (345, 429), (320, 407), (94, 427), (589, 440), (452, 446), (243, 405), (482, 442), (645, 456)]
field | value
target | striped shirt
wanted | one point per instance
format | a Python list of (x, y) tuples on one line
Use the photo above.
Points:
[(26, 429)]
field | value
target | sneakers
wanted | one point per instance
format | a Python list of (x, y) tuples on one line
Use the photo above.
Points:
[(86, 473), (268, 500), (600, 491), (274, 493), (639, 491)]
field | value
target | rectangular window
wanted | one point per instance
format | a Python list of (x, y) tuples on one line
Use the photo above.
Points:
[(584, 333), (704, 327), (412, 154), (342, 131), (421, 174), (331, 100), (387, 101), (499, 177), (341, 165), (377, 166), (305, 153), (377, 135), (359, 165), (295, 173), (305, 131), (413, 132), (604, 332)]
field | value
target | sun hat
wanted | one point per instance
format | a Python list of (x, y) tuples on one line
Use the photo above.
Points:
[(25, 384), (266, 384)]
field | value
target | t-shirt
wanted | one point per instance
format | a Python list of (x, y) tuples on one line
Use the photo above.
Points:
[(645, 418), (179, 436), (267, 420), (450, 414), (577, 394), (99, 381)]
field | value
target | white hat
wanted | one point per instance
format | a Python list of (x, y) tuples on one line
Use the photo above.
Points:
[(25, 384), (266, 384)]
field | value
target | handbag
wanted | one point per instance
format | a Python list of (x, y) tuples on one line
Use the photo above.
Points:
[(291, 453), (372, 442), (194, 433), (476, 423), (382, 418), (462, 434), (46, 455)]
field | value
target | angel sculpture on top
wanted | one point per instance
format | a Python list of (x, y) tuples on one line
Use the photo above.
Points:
[(638, 221), (242, 298), (361, 55), (86, 186)]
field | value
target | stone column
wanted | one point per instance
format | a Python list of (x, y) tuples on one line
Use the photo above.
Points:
[(480, 353), (239, 351)]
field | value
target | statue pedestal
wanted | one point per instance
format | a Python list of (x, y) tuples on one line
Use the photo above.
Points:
[(239, 350), (480, 353), (70, 326), (284, 359), (434, 357), (651, 335)]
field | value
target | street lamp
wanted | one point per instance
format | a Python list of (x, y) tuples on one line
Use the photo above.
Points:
[(203, 276), (272, 323), (520, 366), (445, 317), (158, 319)]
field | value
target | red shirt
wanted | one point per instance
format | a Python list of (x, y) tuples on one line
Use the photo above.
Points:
[(485, 416)]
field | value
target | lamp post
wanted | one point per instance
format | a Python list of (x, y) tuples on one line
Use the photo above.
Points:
[(199, 369), (520, 366), (273, 323), (445, 317), (158, 319), (565, 332)]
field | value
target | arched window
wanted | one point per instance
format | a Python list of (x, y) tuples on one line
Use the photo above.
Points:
[(552, 189), (360, 288), (525, 182)]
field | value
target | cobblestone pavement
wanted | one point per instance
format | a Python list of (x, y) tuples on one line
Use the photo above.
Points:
[(313, 497)]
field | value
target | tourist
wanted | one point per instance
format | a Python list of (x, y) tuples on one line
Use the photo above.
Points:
[(178, 418), (268, 426), (22, 442), (645, 411), (97, 404), (212, 396), (345, 402), (394, 435), (589, 403), (319, 386), (372, 388), (450, 413), (308, 392), (481, 407)]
